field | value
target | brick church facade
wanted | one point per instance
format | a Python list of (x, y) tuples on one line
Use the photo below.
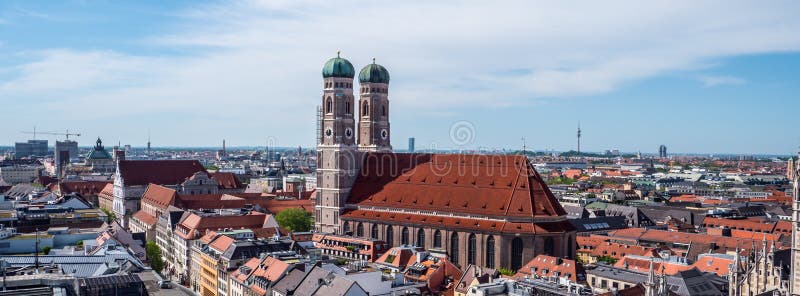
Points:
[(489, 210)]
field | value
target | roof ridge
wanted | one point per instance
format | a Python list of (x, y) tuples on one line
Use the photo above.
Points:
[(514, 190)]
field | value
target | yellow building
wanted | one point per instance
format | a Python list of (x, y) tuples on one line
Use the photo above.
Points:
[(208, 275)]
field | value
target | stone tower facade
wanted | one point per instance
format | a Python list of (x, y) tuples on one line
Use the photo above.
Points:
[(373, 115), (337, 154)]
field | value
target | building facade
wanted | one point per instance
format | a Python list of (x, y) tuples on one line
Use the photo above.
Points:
[(486, 210), (336, 149), (795, 278)]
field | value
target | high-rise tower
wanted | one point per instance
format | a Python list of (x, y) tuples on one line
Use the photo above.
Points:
[(579, 137), (337, 155), (373, 122)]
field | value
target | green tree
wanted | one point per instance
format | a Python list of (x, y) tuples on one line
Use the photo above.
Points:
[(295, 219), (506, 271), (46, 250), (153, 254), (110, 214), (607, 259)]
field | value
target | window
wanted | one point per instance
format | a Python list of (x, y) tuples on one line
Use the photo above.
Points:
[(365, 109), (549, 247), (374, 233), (347, 107), (471, 249), (490, 252), (389, 235), (383, 110), (437, 239), (421, 238), (404, 236), (454, 247), (346, 227), (360, 230), (516, 253), (570, 249), (328, 106)]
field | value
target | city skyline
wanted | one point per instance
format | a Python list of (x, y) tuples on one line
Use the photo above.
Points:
[(698, 79)]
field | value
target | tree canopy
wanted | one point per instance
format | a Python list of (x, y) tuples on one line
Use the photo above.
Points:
[(153, 253), (295, 220)]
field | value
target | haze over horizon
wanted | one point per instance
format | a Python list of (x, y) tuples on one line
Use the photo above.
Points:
[(710, 77)]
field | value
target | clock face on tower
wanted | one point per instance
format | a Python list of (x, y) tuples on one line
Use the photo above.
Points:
[(348, 133), (384, 134), (328, 132)]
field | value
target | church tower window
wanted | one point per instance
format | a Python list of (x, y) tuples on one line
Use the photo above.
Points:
[(329, 106)]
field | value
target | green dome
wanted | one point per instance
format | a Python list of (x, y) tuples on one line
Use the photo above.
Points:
[(338, 67), (374, 73)]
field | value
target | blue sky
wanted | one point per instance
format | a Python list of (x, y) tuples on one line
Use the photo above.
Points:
[(711, 77)]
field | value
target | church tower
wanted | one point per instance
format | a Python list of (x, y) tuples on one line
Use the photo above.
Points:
[(337, 155), (373, 109), (794, 280)]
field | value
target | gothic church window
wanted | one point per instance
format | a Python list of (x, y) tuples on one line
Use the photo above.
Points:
[(328, 106)]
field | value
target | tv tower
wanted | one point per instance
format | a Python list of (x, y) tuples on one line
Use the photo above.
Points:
[(579, 137)]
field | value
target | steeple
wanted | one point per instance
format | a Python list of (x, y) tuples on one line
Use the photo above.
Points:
[(650, 285), (337, 152), (373, 119)]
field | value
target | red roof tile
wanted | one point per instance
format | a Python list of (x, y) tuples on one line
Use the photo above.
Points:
[(494, 185), (144, 218), (226, 180), (546, 266), (159, 196), (107, 193), (164, 172), (194, 225), (221, 243), (84, 188)]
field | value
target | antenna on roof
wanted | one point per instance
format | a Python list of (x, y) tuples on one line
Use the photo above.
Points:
[(524, 147)]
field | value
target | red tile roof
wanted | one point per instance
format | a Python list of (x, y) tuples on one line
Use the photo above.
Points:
[(226, 180), (164, 172), (494, 185), (144, 218), (749, 225), (271, 269), (194, 225), (546, 266), (398, 257), (84, 188), (159, 196), (221, 243), (619, 251), (162, 197), (643, 265), (723, 243), (107, 193), (720, 266)]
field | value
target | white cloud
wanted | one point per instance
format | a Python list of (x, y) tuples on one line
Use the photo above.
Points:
[(711, 81), (265, 56)]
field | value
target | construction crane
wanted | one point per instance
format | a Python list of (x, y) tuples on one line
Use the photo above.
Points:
[(66, 134)]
